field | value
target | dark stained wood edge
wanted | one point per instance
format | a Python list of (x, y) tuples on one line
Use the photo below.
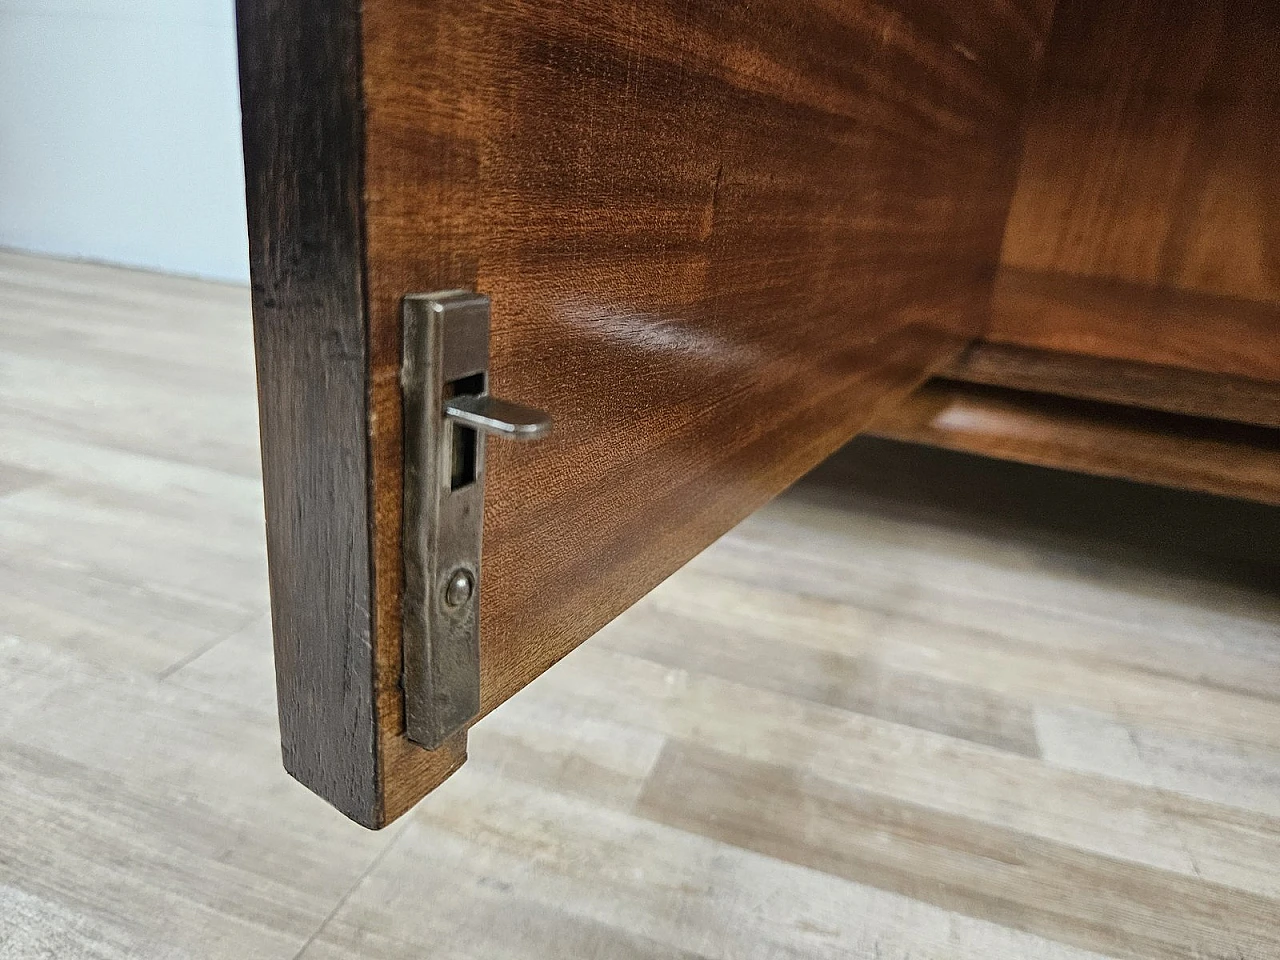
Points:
[(1166, 449), (300, 88), (1153, 387)]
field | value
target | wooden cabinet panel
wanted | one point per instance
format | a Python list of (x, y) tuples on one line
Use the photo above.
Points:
[(718, 238), (1231, 460), (1152, 150), (1113, 319), (1145, 385), (1139, 265)]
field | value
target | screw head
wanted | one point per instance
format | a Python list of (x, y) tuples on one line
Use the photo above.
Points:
[(459, 588)]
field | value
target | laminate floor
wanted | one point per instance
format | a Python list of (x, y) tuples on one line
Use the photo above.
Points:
[(921, 706)]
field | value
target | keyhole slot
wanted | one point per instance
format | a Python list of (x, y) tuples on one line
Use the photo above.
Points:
[(465, 441)]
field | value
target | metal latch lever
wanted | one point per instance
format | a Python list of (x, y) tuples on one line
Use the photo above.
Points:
[(498, 418), (447, 414)]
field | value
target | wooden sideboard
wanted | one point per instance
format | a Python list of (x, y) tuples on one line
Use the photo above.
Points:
[(718, 240), (1135, 318)]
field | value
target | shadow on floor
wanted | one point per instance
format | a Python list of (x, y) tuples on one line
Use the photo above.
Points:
[(1233, 542)]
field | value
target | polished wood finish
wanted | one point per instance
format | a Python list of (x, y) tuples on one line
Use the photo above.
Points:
[(1151, 153), (973, 711), (717, 240), (1139, 262), (1145, 385), (1115, 320), (1194, 454)]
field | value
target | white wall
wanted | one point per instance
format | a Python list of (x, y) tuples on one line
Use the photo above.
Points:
[(120, 133)]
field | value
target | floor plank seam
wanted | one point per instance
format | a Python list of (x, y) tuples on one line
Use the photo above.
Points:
[(196, 654), (342, 901)]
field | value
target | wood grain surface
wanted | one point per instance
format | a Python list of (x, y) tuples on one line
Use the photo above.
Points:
[(1149, 386), (1178, 329), (1151, 152), (716, 237), (1142, 238), (1227, 459)]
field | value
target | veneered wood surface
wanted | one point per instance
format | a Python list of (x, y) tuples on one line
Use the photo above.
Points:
[(1083, 337), (1142, 238), (716, 236), (1125, 321), (1142, 385), (1152, 148), (1189, 453)]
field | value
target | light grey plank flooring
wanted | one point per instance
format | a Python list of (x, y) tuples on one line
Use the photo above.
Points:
[(921, 706)]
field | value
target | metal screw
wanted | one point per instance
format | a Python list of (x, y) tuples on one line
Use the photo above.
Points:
[(459, 589)]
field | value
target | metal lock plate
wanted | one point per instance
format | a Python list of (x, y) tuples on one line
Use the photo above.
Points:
[(447, 414)]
